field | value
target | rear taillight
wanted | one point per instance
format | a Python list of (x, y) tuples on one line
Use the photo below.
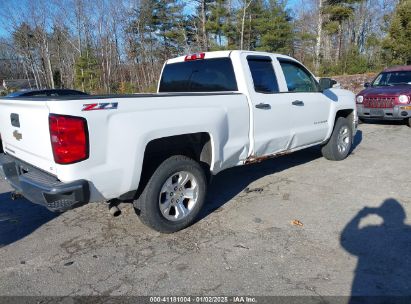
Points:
[(69, 138)]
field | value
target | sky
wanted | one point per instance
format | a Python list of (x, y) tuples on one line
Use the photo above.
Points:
[(292, 3)]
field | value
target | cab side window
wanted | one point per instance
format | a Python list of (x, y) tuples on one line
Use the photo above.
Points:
[(298, 78), (262, 72)]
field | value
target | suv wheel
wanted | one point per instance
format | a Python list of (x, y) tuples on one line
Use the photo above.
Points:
[(339, 145), (173, 196), (408, 121)]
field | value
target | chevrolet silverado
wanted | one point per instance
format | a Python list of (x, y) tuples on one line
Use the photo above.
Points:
[(212, 111)]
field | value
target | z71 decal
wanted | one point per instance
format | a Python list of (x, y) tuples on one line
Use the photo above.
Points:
[(100, 106)]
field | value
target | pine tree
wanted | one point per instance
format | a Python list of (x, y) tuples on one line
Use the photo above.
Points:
[(168, 22), (273, 27), (337, 11), (229, 27), (397, 45), (87, 72), (215, 24)]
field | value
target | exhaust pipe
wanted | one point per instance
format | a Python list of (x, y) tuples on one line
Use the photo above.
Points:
[(113, 207)]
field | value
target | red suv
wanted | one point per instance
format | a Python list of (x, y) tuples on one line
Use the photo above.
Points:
[(388, 96)]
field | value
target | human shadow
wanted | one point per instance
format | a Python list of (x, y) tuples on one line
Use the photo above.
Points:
[(20, 218), (231, 182), (384, 255)]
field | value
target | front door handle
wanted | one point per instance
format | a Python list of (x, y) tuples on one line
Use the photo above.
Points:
[(264, 106), (297, 103)]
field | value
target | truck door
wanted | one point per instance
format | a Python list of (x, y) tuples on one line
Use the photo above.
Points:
[(271, 113), (310, 107)]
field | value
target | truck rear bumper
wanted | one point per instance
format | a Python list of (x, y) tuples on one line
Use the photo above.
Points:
[(42, 188), (395, 113)]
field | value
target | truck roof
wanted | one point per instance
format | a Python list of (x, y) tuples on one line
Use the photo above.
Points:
[(398, 68), (222, 54)]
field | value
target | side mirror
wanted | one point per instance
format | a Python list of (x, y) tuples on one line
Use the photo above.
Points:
[(327, 83), (367, 84)]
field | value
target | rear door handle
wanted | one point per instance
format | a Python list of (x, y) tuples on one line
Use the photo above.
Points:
[(264, 106), (297, 103)]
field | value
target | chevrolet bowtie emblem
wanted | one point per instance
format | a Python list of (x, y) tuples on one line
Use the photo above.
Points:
[(17, 135)]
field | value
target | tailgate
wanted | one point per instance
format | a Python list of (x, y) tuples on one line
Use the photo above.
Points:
[(24, 130)]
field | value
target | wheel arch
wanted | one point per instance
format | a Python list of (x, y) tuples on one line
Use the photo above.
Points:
[(198, 146), (346, 113)]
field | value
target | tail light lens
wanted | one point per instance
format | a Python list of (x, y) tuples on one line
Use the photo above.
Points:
[(196, 56), (69, 138)]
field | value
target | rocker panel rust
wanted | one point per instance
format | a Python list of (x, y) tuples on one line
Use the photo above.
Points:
[(257, 159)]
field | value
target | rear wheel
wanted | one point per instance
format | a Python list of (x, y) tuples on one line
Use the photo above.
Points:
[(339, 145), (173, 196)]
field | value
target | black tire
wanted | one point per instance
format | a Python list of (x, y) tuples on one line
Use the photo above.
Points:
[(330, 150), (360, 121), (148, 205), (408, 121)]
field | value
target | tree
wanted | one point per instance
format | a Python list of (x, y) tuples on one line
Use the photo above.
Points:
[(121, 45), (219, 13), (273, 27), (87, 71), (338, 11), (397, 45), (202, 14), (246, 4), (319, 36), (167, 15)]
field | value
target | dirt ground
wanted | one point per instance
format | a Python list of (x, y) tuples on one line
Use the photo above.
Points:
[(354, 83)]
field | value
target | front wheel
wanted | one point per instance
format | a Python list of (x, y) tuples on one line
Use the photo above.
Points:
[(408, 121), (173, 196), (339, 145)]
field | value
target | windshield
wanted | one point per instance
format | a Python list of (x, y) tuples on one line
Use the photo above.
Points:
[(392, 78)]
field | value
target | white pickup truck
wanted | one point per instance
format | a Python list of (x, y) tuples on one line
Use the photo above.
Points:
[(213, 111)]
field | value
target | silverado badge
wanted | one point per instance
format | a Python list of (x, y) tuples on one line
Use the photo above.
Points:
[(17, 135)]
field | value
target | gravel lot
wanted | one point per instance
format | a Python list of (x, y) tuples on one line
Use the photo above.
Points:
[(245, 242)]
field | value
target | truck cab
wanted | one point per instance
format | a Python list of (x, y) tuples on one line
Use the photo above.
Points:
[(289, 109)]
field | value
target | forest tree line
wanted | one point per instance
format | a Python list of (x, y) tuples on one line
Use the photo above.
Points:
[(119, 46)]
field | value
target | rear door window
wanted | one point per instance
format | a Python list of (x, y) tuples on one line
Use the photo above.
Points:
[(263, 74), (209, 75)]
